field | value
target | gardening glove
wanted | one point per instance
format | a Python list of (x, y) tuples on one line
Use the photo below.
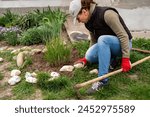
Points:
[(126, 64), (80, 63)]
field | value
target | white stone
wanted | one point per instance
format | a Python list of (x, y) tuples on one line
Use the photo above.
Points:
[(25, 52), (79, 65), (15, 72), (68, 68), (26, 48), (44, 50), (10, 49), (15, 51), (31, 79), (3, 48), (54, 74), (35, 51), (28, 74), (94, 71), (33, 74), (1, 59), (13, 80)]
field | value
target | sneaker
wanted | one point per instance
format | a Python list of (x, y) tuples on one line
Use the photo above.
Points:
[(95, 87)]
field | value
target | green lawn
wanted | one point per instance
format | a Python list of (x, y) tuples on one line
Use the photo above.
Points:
[(133, 85)]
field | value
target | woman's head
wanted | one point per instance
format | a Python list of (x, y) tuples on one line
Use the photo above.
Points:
[(79, 9)]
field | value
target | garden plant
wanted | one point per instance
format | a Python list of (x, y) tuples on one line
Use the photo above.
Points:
[(44, 28)]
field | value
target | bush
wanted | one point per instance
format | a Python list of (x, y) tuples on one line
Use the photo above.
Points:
[(30, 37), (11, 38), (57, 53)]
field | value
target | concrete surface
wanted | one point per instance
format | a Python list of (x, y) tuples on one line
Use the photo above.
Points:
[(136, 13)]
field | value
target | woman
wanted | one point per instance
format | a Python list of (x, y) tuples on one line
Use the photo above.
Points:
[(110, 37)]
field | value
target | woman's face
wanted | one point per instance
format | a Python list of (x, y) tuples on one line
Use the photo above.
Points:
[(83, 16)]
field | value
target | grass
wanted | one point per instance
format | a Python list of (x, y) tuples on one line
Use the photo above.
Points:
[(6, 55), (1, 76), (23, 90), (120, 87), (57, 52)]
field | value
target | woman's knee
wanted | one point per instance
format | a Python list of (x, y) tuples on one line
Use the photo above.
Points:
[(91, 57), (104, 39)]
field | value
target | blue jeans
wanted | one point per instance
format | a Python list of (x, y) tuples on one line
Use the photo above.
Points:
[(103, 51)]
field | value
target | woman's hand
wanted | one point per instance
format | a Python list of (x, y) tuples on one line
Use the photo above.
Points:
[(126, 64)]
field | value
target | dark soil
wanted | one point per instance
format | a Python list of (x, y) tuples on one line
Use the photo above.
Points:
[(40, 64)]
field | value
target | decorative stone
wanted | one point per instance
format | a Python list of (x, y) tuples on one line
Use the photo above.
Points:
[(54, 74), (25, 52), (44, 50), (31, 79), (15, 72), (3, 48), (20, 59), (28, 74), (13, 80), (1, 59), (78, 36), (68, 68), (36, 51), (15, 51), (94, 71), (26, 48), (10, 49), (79, 65), (33, 74)]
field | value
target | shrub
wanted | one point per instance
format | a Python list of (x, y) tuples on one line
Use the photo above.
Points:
[(8, 19), (30, 37), (11, 38), (57, 53)]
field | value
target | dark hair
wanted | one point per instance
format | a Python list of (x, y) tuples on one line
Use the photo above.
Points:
[(86, 3)]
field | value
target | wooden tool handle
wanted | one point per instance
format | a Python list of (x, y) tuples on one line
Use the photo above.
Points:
[(78, 86), (143, 51)]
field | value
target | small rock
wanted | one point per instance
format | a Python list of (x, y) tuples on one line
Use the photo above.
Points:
[(31, 79), (20, 59), (15, 72), (3, 48), (1, 59), (13, 80), (25, 52), (15, 51), (10, 49), (79, 65), (54, 74), (68, 68), (94, 71), (33, 74), (26, 48), (36, 51), (28, 74), (44, 50)]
